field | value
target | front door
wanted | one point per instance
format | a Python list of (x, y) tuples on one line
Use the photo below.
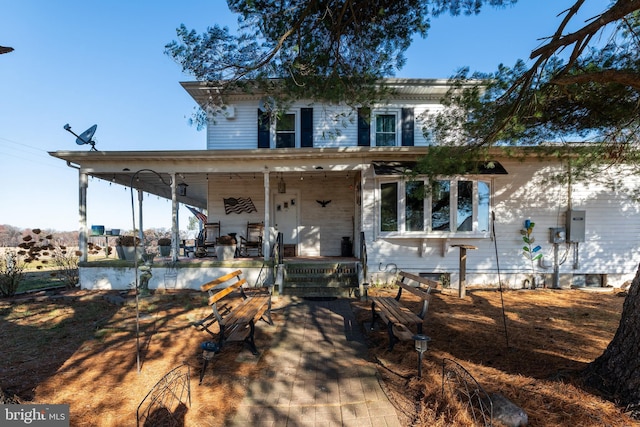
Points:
[(285, 216)]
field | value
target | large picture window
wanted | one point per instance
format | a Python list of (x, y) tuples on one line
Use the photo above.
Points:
[(446, 207), (389, 206), (441, 206), (414, 206)]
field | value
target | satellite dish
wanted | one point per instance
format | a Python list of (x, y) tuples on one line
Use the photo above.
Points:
[(85, 137)]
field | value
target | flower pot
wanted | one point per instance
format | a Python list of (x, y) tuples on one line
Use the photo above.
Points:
[(225, 252), (164, 250), (120, 251), (130, 252), (97, 230)]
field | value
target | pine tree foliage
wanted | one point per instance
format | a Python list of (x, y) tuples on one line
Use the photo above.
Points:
[(582, 86), (325, 50)]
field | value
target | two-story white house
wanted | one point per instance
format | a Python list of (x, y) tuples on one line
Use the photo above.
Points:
[(331, 180)]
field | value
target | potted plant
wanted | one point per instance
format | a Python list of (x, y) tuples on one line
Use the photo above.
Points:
[(225, 248), (164, 245), (125, 246)]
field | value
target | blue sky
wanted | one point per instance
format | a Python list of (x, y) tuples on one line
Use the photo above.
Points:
[(102, 62)]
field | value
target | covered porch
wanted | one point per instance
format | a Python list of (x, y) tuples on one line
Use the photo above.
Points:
[(312, 197)]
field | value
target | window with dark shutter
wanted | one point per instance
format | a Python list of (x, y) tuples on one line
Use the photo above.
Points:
[(264, 125), (407, 126), (306, 127), (364, 128), (286, 131)]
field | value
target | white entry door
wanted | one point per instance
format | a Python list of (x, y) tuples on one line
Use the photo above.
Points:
[(285, 216)]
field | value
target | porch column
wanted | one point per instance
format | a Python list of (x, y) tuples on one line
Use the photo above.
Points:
[(175, 227), (83, 183), (266, 244)]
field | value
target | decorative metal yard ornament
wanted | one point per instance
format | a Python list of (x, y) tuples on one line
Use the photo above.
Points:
[(85, 137), (421, 342), (531, 252)]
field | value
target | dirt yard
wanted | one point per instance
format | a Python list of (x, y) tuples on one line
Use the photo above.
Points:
[(79, 348)]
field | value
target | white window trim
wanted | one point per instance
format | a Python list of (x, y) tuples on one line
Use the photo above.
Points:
[(297, 129), (390, 111), (453, 203)]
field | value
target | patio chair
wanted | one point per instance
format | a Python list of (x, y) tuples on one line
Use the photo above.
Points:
[(207, 238), (251, 245)]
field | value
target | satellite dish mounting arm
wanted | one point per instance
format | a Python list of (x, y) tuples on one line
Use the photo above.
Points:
[(85, 137)]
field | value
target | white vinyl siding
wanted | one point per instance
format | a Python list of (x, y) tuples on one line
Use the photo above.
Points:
[(333, 126)]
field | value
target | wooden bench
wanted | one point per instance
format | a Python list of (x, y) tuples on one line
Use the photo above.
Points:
[(398, 319), (236, 320)]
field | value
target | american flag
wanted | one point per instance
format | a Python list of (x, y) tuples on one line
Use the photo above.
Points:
[(238, 205), (202, 217)]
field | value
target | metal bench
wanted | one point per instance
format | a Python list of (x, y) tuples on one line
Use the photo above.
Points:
[(399, 320)]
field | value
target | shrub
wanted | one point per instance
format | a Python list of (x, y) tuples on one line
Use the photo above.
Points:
[(67, 263), (128, 241), (11, 273), (226, 240), (164, 241)]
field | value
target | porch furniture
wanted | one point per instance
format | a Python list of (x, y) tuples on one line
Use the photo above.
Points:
[(236, 317), (188, 246), (399, 319), (207, 238), (251, 245)]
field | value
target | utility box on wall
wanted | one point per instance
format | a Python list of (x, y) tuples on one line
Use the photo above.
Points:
[(576, 225), (557, 235)]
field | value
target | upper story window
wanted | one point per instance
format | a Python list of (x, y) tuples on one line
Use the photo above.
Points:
[(286, 131), (449, 207), (386, 130)]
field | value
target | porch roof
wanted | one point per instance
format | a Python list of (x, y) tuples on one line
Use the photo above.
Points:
[(192, 166)]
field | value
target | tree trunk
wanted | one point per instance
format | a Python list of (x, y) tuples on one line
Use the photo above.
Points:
[(617, 371)]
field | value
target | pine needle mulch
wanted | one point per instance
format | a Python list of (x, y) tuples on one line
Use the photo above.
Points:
[(550, 336)]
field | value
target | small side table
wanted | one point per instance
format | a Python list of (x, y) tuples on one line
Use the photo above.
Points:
[(462, 283)]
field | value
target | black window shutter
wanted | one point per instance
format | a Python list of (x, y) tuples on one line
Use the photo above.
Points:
[(306, 127), (264, 125), (364, 128), (407, 126)]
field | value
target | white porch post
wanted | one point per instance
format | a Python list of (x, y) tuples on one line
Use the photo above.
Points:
[(83, 183), (175, 227), (266, 244)]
